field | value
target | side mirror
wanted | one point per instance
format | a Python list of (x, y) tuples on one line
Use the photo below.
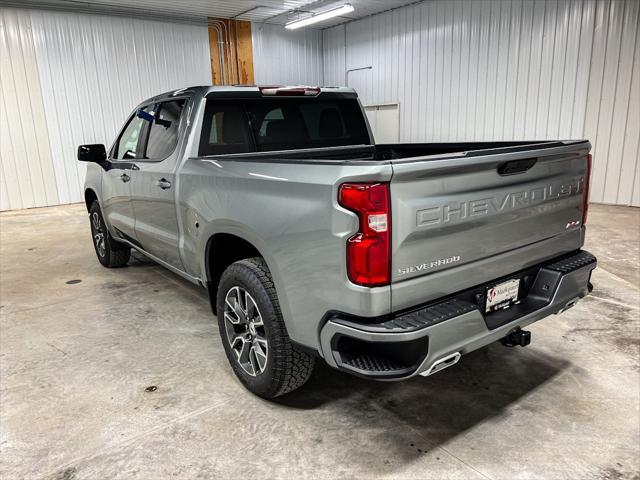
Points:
[(95, 153)]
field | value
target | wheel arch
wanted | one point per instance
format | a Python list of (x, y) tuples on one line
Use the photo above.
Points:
[(90, 196), (221, 250)]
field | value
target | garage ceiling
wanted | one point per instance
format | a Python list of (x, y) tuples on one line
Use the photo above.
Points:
[(269, 11)]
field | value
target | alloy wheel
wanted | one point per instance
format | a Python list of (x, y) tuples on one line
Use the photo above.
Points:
[(98, 234), (245, 331)]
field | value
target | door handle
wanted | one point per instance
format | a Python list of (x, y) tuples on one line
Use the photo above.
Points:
[(163, 183), (125, 178)]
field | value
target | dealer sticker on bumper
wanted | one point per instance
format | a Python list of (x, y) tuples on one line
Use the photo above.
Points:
[(502, 295)]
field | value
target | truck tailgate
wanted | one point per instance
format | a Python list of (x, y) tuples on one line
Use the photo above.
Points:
[(455, 215)]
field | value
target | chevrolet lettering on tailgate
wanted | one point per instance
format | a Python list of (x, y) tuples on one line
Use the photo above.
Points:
[(457, 211)]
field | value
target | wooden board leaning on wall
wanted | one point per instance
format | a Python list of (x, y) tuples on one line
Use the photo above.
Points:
[(231, 51)]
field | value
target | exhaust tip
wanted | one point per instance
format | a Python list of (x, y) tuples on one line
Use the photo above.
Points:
[(441, 364)]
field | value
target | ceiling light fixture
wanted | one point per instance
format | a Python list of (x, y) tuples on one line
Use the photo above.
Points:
[(319, 17)]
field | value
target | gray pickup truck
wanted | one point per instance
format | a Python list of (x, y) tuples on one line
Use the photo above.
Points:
[(386, 261)]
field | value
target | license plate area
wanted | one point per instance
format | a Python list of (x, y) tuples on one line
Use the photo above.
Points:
[(502, 295)]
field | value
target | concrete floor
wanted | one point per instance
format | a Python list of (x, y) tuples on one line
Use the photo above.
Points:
[(76, 359)]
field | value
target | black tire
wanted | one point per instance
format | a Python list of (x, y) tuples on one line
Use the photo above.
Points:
[(287, 367), (110, 253)]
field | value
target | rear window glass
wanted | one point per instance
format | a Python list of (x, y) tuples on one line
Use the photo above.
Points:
[(270, 124), (225, 129)]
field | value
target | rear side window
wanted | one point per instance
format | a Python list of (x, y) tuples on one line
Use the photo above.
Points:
[(225, 129), (270, 124), (163, 129)]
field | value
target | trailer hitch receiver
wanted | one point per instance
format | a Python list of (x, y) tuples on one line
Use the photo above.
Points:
[(517, 337)]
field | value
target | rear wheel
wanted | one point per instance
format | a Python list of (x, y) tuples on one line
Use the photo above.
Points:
[(253, 333), (109, 252)]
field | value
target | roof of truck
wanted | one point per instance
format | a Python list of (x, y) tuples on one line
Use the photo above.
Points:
[(236, 88), (246, 91), (206, 89)]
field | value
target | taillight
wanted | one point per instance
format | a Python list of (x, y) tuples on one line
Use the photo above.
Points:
[(369, 250), (587, 181)]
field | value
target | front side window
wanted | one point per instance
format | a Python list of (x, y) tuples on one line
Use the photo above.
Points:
[(163, 129), (127, 145)]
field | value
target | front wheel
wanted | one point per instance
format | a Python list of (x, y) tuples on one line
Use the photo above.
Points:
[(253, 333), (109, 252)]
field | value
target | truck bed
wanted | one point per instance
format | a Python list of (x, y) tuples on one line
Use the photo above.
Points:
[(464, 212), (397, 151)]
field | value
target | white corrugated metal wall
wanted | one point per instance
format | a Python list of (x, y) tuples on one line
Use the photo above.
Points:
[(26, 170), (613, 103), (95, 69), (286, 57), (505, 69), (91, 72)]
